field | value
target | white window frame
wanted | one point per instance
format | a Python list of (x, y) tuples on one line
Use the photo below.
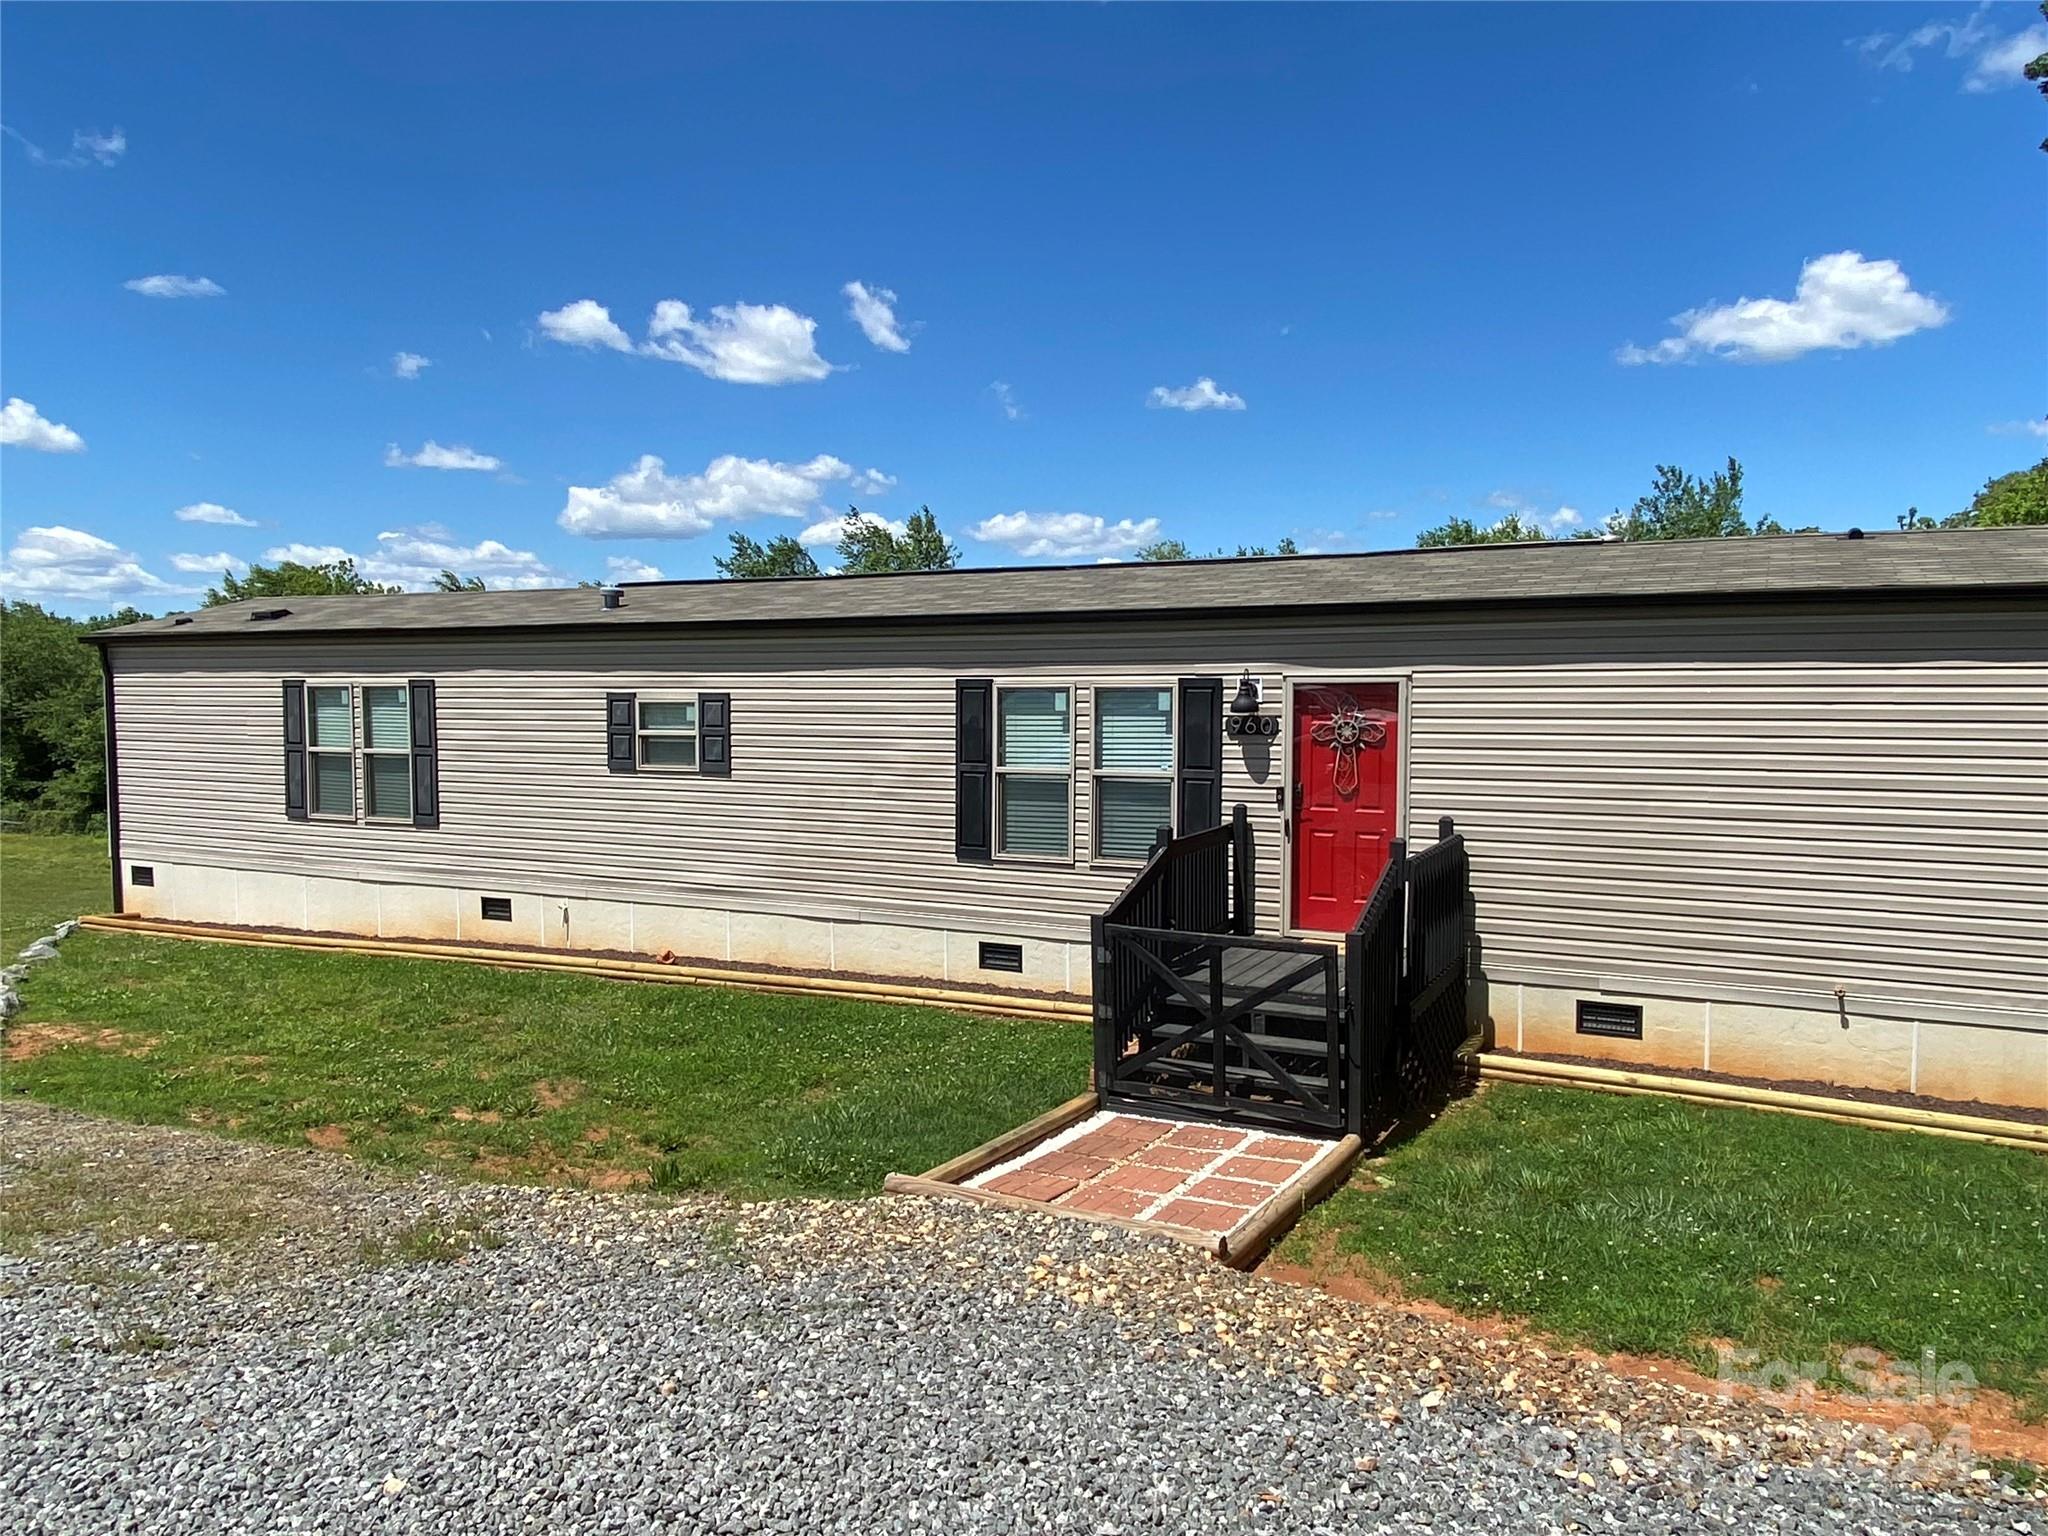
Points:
[(999, 772), (364, 752), (1096, 774), (313, 753), (694, 733)]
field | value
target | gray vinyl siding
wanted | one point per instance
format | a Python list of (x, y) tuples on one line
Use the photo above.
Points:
[(1778, 798)]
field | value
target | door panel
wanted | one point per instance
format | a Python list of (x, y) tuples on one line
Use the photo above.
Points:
[(1345, 800)]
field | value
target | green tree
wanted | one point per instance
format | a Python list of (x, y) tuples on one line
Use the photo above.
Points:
[(1175, 549), (2007, 501), (288, 578), (1163, 550), (1512, 529), (870, 547), (52, 744), (448, 581), (780, 556), (1680, 506)]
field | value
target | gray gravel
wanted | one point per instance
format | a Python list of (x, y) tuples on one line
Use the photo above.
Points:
[(209, 1336)]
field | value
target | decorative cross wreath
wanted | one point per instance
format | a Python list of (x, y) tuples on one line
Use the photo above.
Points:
[(1347, 731)]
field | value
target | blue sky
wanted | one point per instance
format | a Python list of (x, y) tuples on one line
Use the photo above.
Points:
[(1219, 274)]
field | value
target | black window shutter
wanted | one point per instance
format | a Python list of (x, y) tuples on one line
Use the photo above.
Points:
[(714, 734), (295, 749), (426, 754), (622, 721), (973, 765), (1201, 754)]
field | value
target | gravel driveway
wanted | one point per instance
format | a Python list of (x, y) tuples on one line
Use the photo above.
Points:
[(209, 1336)]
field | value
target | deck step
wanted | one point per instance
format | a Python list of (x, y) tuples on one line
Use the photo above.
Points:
[(1265, 1040), (1174, 1070)]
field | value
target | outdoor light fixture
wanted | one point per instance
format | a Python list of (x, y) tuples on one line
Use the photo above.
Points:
[(1247, 700)]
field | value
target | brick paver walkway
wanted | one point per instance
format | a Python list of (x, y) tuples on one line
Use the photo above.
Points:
[(1208, 1177)]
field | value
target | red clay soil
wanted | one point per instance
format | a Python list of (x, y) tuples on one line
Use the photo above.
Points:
[(704, 962), (1895, 1098), (1993, 1420)]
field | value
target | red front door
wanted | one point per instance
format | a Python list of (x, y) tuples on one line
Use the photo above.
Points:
[(1345, 800)]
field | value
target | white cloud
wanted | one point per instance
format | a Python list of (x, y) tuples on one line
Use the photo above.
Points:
[(740, 343), (1842, 302), (1005, 398), (88, 147), (23, 426), (62, 562), (1557, 520), (1065, 534), (1202, 395), (208, 565), (646, 501), (585, 323), (2003, 61), (433, 456), (413, 557), (407, 365), (307, 554), (871, 482), (626, 568), (1993, 59), (212, 512), (1564, 517), (874, 311), (173, 285), (831, 530), (2037, 427)]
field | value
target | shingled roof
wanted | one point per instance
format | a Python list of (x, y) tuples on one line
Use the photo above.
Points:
[(1956, 562)]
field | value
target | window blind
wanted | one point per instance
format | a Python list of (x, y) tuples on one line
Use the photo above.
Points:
[(387, 726), (1034, 817), (1134, 730), (328, 713), (1033, 728), (1129, 814)]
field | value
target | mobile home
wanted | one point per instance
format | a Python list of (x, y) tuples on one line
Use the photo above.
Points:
[(1773, 807)]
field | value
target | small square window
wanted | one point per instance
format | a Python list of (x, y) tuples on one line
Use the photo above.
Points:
[(668, 733)]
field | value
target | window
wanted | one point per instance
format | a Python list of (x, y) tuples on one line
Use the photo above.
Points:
[(1133, 769), (387, 753), (330, 751), (1034, 772), (668, 733)]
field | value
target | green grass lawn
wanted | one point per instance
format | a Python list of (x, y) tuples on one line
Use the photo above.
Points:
[(514, 1075), (44, 880), (1651, 1226)]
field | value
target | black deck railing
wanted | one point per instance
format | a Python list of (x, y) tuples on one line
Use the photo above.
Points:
[(1194, 1012), (1372, 988)]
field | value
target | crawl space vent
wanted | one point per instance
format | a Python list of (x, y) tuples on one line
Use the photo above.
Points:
[(498, 909), (1001, 957), (1618, 1021), (142, 874)]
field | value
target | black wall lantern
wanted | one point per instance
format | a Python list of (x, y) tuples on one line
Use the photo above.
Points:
[(1244, 718), (1247, 700)]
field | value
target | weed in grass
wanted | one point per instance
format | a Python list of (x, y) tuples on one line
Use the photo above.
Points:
[(142, 1341), (2022, 1475), (429, 1242)]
